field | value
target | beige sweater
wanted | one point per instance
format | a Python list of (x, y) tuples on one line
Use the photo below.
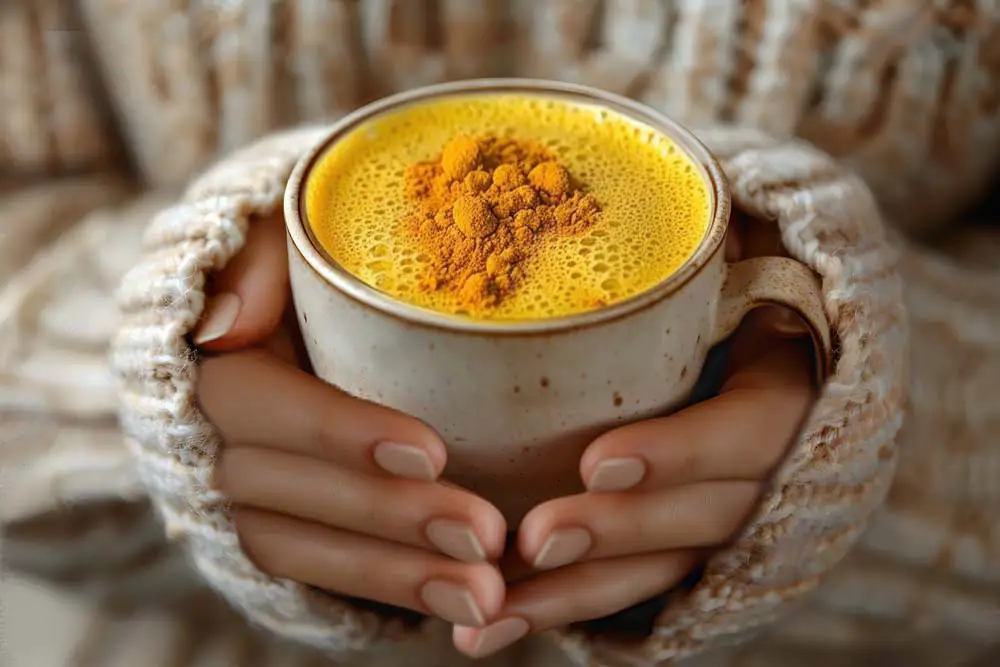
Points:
[(888, 538)]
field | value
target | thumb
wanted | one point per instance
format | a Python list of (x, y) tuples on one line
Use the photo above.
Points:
[(249, 295)]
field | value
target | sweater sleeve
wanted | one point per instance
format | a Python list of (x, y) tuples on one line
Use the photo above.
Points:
[(204, 78), (53, 118), (814, 512), (923, 582), (839, 471), (160, 301), (73, 510)]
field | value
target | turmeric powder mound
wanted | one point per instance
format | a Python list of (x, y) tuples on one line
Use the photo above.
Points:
[(486, 205)]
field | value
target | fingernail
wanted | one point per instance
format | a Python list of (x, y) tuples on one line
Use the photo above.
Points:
[(617, 474), (456, 540), (499, 636), (562, 548), (219, 316), (405, 461), (452, 602)]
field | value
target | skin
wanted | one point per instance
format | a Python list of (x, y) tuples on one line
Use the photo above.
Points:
[(299, 464)]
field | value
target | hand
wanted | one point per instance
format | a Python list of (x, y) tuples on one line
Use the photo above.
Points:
[(329, 490), (660, 493)]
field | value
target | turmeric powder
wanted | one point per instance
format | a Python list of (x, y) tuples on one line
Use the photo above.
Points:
[(486, 205)]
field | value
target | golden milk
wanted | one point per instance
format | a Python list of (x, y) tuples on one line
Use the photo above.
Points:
[(655, 205)]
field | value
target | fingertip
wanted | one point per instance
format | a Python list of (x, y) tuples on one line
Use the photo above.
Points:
[(483, 642), (489, 589), (465, 640), (422, 435), (619, 443), (233, 322), (406, 446), (218, 319), (250, 294), (595, 452), (432, 443), (534, 530), (492, 530)]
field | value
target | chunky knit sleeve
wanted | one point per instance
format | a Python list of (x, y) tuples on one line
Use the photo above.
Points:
[(160, 301), (203, 78), (817, 507), (840, 470), (922, 582), (905, 93)]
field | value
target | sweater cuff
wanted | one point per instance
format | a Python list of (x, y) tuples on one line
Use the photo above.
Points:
[(175, 446), (840, 469)]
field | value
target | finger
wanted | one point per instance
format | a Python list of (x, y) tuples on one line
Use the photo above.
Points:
[(255, 400), (364, 567), (741, 434), (429, 516), (734, 236), (249, 295), (591, 526), (574, 594)]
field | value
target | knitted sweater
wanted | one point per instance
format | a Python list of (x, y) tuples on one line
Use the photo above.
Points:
[(887, 539)]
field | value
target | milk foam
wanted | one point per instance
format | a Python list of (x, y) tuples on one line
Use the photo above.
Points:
[(655, 204)]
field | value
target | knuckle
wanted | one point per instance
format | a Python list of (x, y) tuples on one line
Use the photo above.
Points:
[(327, 442), (686, 461), (370, 511)]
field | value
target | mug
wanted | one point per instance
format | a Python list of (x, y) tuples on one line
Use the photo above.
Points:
[(517, 403)]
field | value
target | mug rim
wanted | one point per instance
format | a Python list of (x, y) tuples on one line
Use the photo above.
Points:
[(331, 272)]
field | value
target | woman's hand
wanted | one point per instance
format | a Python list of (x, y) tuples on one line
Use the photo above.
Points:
[(329, 490), (660, 493)]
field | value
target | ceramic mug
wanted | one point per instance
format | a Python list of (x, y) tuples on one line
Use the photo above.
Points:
[(517, 403)]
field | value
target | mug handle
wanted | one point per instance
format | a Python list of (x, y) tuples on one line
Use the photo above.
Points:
[(763, 281)]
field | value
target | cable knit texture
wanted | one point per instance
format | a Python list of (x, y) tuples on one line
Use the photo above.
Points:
[(815, 510)]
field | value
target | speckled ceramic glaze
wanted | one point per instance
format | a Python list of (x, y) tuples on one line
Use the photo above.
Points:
[(517, 403)]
